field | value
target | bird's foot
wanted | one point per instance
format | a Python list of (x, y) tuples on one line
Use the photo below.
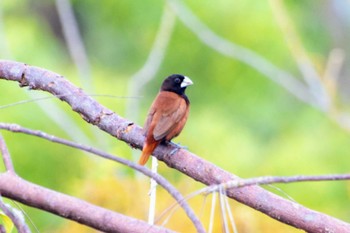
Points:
[(172, 152), (178, 147)]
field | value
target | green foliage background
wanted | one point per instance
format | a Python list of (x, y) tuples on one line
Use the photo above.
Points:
[(239, 119)]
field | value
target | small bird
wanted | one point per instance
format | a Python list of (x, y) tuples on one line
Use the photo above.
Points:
[(167, 115)]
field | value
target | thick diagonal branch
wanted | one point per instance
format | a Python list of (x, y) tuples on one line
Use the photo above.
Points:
[(184, 161)]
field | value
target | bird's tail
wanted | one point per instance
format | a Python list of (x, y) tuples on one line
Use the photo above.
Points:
[(146, 152)]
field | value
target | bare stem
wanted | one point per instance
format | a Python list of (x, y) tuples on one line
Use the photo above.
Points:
[(6, 155), (144, 170), (243, 54), (303, 61), (104, 220), (272, 180), (16, 219), (74, 42)]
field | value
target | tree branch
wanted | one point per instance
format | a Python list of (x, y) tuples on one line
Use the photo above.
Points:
[(303, 61), (6, 155), (74, 42), (72, 208), (245, 55), (184, 161), (144, 170), (17, 220), (271, 180)]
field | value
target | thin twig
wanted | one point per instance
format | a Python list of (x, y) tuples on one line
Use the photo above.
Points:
[(272, 180), (14, 216), (306, 67), (172, 208), (212, 213), (26, 216), (153, 193), (332, 72), (224, 221), (13, 104), (63, 121), (245, 55), (6, 155), (144, 170), (4, 47), (74, 42), (230, 215)]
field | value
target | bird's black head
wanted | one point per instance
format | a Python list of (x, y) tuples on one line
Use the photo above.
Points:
[(176, 83)]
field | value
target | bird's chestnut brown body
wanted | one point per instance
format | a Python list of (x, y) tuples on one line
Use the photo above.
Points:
[(167, 116)]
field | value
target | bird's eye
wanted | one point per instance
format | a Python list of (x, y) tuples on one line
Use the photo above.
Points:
[(177, 80)]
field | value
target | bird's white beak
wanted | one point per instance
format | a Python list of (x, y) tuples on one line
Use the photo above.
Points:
[(186, 82)]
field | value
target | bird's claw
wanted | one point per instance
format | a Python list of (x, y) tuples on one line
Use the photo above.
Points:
[(172, 152), (177, 147)]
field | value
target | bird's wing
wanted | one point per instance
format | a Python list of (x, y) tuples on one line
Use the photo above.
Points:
[(169, 120), (148, 122), (166, 112)]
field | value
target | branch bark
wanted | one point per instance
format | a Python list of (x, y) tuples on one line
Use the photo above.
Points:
[(144, 170), (16, 219), (6, 155), (72, 208), (271, 180), (188, 163)]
